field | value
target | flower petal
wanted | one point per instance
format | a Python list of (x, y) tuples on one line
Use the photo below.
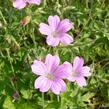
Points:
[(53, 22), (43, 84), (65, 25), (39, 82), (68, 66), (19, 4), (52, 41), (78, 64), (44, 29), (71, 78), (86, 71), (34, 1), (38, 68), (55, 88), (81, 81), (52, 62), (58, 86), (46, 85), (63, 85), (66, 39), (63, 71)]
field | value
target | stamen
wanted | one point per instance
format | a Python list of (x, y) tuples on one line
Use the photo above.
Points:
[(75, 74), (50, 76), (55, 34)]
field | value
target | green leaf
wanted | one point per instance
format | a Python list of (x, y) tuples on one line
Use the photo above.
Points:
[(8, 104), (87, 96), (25, 93)]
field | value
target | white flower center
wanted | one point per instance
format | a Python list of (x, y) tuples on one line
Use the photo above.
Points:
[(50, 76), (55, 34), (75, 74)]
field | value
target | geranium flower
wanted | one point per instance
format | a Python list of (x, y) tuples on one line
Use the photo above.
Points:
[(50, 74), (19, 4), (56, 31), (78, 72)]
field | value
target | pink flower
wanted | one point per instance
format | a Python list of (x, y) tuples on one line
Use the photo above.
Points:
[(51, 74), (19, 4), (56, 31), (77, 72)]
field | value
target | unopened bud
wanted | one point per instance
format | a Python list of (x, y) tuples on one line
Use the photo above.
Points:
[(25, 20)]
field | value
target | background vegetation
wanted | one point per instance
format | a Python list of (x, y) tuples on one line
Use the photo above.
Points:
[(21, 44)]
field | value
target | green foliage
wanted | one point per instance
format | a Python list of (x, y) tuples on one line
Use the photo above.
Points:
[(21, 44)]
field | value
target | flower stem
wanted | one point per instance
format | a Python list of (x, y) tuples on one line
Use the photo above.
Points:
[(43, 100), (58, 98), (1, 14)]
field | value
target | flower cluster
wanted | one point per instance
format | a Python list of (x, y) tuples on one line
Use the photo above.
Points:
[(51, 73)]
